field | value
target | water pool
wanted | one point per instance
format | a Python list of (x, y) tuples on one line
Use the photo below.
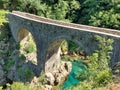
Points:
[(78, 73)]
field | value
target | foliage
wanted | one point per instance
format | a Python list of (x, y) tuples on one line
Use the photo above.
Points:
[(1, 88), (103, 77), (64, 46), (85, 85), (42, 80), (102, 13), (28, 73), (3, 33), (73, 46), (100, 73), (22, 57), (65, 10), (107, 19), (25, 73), (30, 48), (2, 17), (8, 64), (19, 86), (55, 9), (105, 47), (99, 62), (19, 71)]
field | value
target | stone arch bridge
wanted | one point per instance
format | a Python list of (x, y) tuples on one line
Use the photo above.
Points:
[(49, 33)]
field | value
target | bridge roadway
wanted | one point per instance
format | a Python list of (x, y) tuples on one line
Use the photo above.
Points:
[(111, 32), (48, 35)]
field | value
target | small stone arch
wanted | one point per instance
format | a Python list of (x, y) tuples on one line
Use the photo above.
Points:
[(28, 46), (54, 65), (22, 33), (53, 55)]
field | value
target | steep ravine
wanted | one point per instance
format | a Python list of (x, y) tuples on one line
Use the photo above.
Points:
[(18, 64)]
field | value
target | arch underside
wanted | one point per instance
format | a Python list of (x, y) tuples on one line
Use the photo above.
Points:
[(53, 53), (22, 34)]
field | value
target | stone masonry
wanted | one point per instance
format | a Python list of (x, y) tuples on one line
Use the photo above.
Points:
[(48, 34)]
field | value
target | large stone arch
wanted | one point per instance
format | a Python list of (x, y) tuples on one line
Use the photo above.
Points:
[(53, 57)]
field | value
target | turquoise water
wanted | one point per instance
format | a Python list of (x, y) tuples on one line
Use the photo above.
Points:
[(79, 73)]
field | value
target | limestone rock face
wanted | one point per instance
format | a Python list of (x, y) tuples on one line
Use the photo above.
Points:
[(57, 76), (50, 78), (63, 71), (55, 70), (53, 62)]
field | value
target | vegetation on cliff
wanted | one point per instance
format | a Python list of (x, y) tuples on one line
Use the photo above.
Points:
[(2, 17)]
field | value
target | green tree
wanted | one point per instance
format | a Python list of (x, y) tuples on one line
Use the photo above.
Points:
[(102, 13), (73, 10), (104, 51), (100, 73), (99, 62), (2, 17), (107, 19)]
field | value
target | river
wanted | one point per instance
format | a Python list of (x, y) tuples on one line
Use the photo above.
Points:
[(78, 73)]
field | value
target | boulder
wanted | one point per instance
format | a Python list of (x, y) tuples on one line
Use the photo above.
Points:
[(34, 82), (63, 71), (57, 76), (48, 87), (50, 78)]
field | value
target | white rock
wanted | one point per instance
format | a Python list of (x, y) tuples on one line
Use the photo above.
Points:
[(48, 87), (50, 78)]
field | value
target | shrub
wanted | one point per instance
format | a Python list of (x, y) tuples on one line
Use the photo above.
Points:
[(30, 48), (19, 86), (22, 86), (8, 64), (64, 46), (85, 85), (42, 79), (103, 77), (2, 17), (28, 73), (100, 73), (25, 74), (99, 62), (73, 46)]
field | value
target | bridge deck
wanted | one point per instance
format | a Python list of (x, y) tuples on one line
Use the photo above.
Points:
[(111, 32)]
